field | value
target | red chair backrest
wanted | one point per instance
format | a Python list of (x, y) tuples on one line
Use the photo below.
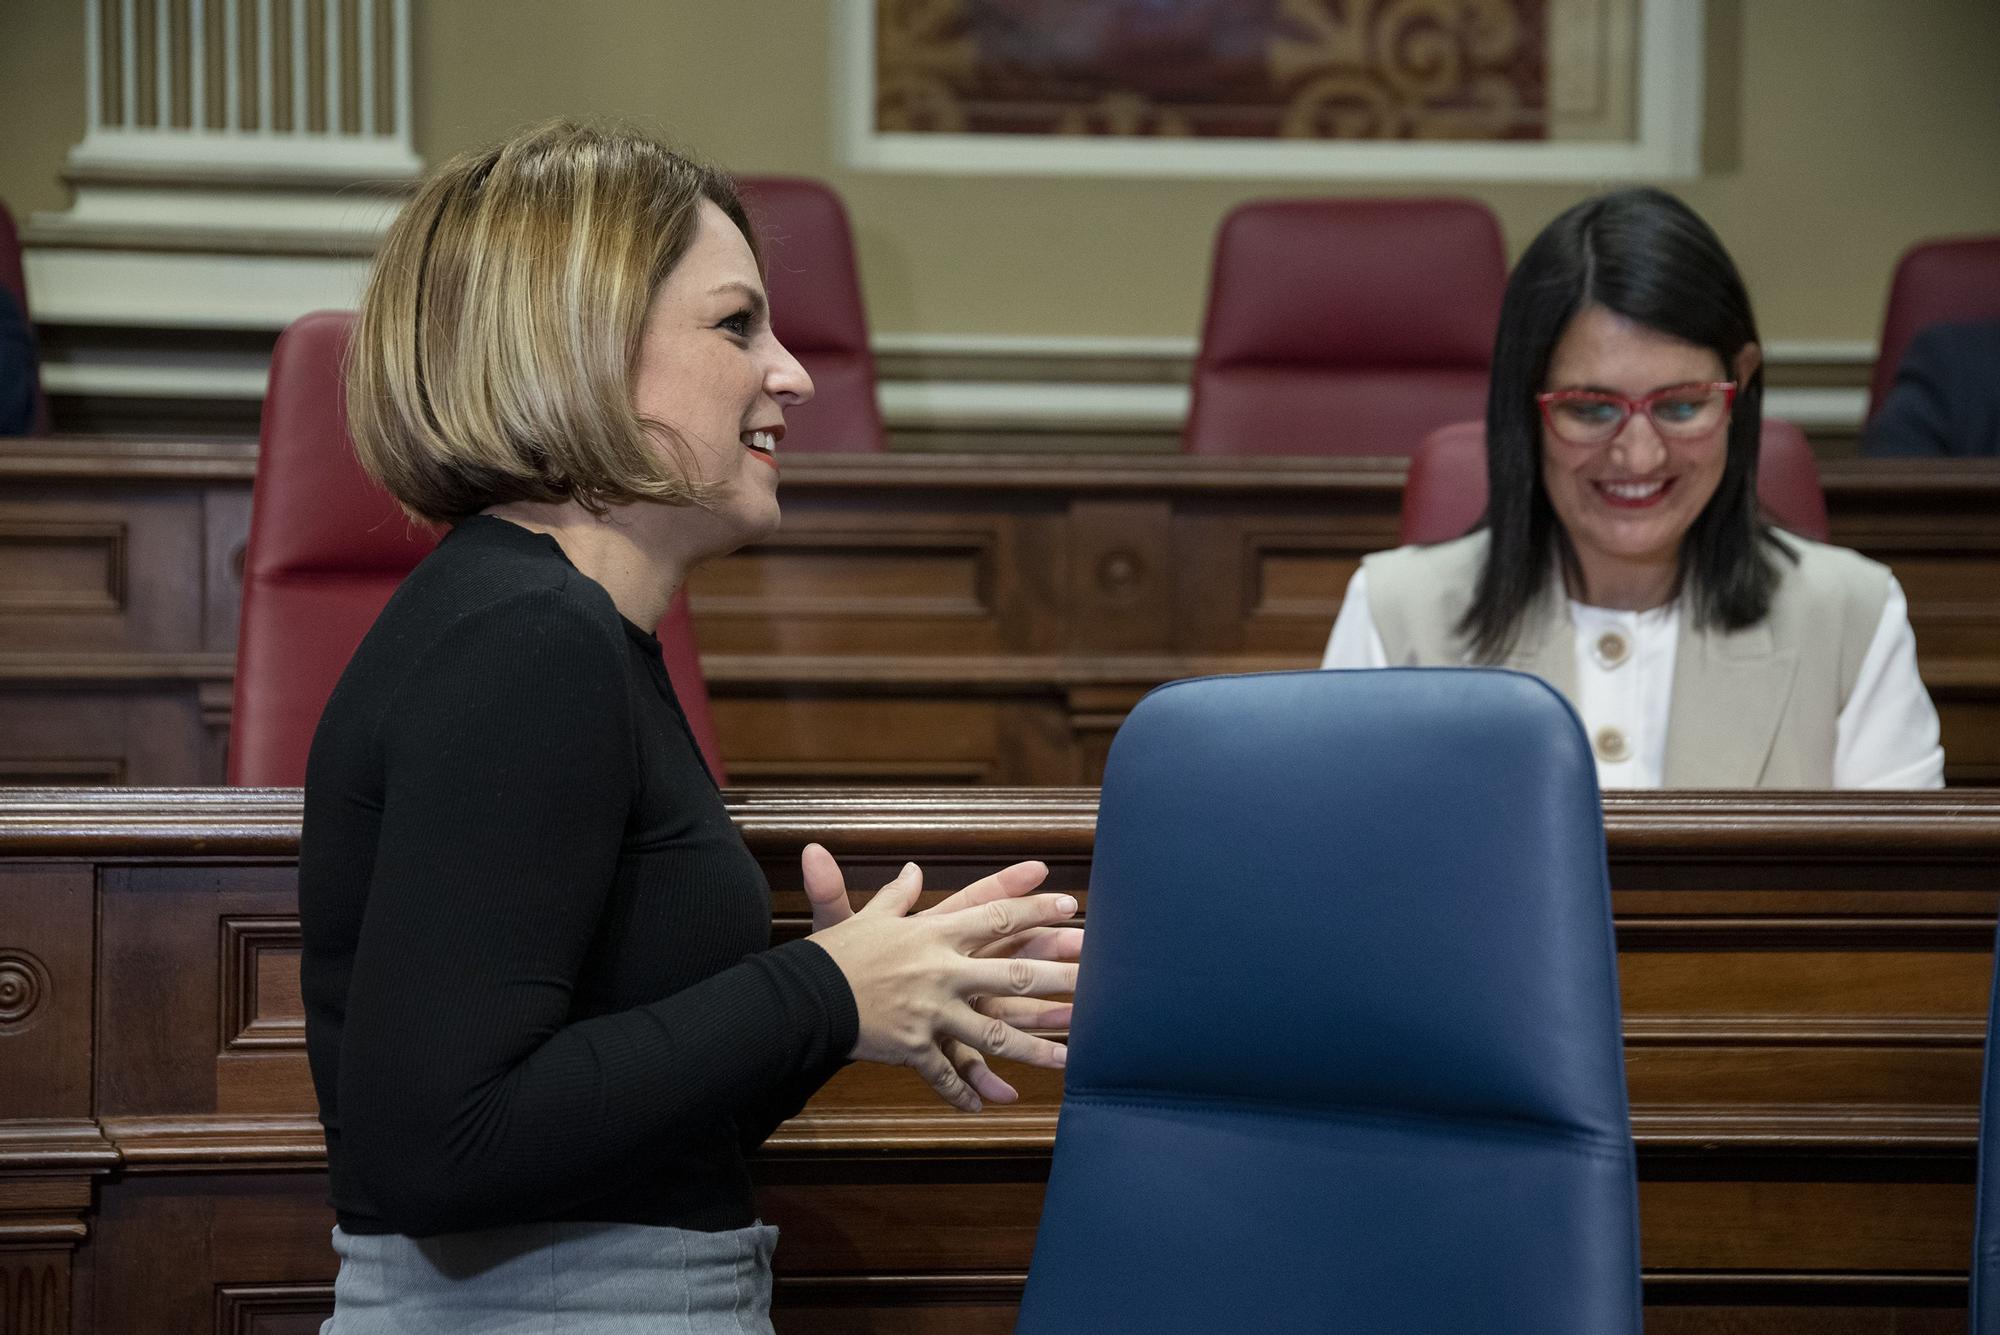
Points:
[(1346, 326), (1936, 282), (1445, 493), (14, 277), (816, 311), (327, 548)]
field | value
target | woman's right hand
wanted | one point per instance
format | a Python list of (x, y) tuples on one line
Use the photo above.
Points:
[(914, 979)]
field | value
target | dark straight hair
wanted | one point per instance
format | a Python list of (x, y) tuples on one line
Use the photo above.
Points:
[(1642, 254)]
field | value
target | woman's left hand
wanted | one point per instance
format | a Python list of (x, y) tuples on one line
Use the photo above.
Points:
[(826, 890)]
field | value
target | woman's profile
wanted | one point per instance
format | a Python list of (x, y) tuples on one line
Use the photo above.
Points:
[(546, 1022)]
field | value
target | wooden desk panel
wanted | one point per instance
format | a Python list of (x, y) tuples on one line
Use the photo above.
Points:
[(1805, 984), (921, 619)]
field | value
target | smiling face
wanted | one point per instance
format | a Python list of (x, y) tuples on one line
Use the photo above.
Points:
[(1628, 504), (710, 369)]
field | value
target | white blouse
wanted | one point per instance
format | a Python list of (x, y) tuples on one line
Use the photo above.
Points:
[(1886, 736)]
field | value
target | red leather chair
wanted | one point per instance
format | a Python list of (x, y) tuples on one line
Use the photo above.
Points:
[(816, 311), (327, 548), (1346, 326), (15, 280), (1936, 282), (1445, 493)]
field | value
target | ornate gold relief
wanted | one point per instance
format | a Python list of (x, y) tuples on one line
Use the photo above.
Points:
[(1221, 69), (1402, 69), (921, 55), (1123, 114)]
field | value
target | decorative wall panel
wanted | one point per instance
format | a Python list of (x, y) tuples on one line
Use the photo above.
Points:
[(1268, 69), (1495, 88)]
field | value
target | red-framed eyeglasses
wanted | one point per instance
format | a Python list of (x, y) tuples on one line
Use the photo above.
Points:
[(1678, 412)]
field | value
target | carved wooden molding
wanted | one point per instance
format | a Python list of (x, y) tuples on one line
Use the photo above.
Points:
[(104, 543), (34, 1293), (73, 1146), (997, 674), (115, 669), (47, 771), (245, 942), (1963, 485), (242, 1309), (42, 1207), (24, 988), (42, 1221), (968, 554), (183, 1143), (1006, 1286), (1660, 847), (995, 1287), (1740, 932), (96, 458), (196, 1143), (1949, 826), (1870, 1031), (1837, 1127)]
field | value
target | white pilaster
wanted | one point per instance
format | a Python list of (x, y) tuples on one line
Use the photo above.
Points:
[(241, 211)]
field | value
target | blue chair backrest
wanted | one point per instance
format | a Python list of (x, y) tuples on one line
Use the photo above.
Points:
[(1985, 1297), (1347, 1053)]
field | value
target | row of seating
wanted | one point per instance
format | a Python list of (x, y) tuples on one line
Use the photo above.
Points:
[(1360, 326), (1334, 326), (327, 547), (816, 293)]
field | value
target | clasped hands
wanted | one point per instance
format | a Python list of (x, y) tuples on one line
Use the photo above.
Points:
[(942, 990)]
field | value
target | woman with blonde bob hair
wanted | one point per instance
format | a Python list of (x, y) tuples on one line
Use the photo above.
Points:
[(544, 1016)]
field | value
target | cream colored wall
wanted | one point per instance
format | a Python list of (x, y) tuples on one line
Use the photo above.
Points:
[(1842, 130), (41, 100)]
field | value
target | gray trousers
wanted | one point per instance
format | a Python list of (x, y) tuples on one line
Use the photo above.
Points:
[(555, 1279)]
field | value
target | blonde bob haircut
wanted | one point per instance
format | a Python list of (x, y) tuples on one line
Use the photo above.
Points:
[(494, 354)]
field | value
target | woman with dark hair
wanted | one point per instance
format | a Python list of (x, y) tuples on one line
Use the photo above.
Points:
[(1622, 557)]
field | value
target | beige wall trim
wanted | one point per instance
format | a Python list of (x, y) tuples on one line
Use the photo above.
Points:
[(156, 290), (1058, 407), (245, 179), (60, 233), (1015, 358), (1112, 345), (171, 382), (1041, 345), (1051, 406), (961, 407)]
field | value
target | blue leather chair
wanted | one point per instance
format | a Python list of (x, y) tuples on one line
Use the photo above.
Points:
[(1985, 1301), (1347, 1053)]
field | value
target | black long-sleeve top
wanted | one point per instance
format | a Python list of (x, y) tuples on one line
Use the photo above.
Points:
[(537, 969)]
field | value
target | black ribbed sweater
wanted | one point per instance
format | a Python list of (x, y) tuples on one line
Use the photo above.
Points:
[(537, 969)]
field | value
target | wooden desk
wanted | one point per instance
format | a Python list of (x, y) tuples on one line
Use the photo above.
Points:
[(1805, 983), (921, 619)]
